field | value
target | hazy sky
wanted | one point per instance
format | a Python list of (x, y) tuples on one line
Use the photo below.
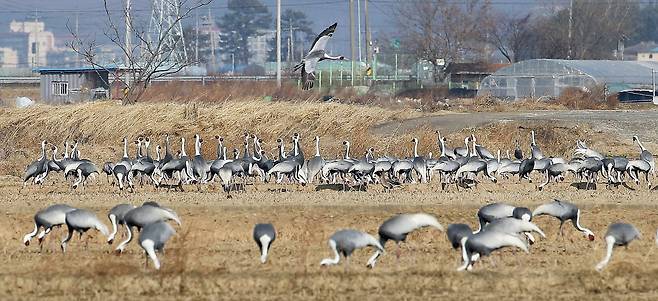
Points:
[(92, 20)]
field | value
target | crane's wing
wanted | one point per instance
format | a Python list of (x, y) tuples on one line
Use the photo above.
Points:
[(321, 40), (308, 73)]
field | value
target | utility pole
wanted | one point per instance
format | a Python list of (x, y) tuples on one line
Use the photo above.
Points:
[(77, 37), (570, 27), (358, 16), (292, 41), (128, 42), (368, 37), (212, 41), (196, 39), (352, 46), (278, 43)]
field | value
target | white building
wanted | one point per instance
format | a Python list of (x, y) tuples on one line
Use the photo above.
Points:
[(8, 58), (40, 41), (259, 46)]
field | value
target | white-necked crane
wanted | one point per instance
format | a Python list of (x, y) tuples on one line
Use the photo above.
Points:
[(51, 216), (264, 235), (398, 227), (346, 241), (81, 220), (152, 239), (315, 55), (618, 234), (564, 211)]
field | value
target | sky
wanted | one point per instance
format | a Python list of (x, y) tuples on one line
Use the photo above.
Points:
[(91, 18)]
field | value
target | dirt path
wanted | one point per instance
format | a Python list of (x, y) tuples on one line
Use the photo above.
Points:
[(619, 122)]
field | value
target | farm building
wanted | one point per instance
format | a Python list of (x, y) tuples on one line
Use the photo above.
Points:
[(549, 77), (69, 85)]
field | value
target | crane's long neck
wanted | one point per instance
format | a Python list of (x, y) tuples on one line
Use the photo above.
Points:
[(167, 151), (532, 134), (157, 153), (282, 154), (220, 148), (66, 150), (498, 156), (55, 154), (295, 146), (74, 151), (146, 147), (336, 258), (139, 149), (641, 146), (577, 223), (43, 150), (610, 241), (317, 146), (347, 151), (333, 58), (125, 148), (113, 219), (415, 148), (443, 146), (465, 257), (182, 147), (197, 146), (256, 147), (265, 244), (246, 147), (474, 153)]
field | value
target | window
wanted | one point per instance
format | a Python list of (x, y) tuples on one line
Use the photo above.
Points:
[(60, 88)]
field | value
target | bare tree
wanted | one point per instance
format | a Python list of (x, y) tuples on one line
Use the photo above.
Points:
[(442, 30), (510, 35), (150, 57)]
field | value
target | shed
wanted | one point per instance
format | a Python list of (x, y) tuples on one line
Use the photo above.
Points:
[(549, 77), (69, 85)]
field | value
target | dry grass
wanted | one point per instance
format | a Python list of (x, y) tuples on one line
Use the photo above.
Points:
[(8, 95), (213, 256)]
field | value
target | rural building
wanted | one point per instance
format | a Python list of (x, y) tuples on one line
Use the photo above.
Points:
[(464, 78), (69, 85), (643, 51), (549, 77)]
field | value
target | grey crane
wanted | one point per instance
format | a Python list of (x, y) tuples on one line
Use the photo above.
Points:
[(81, 221), (420, 164), (646, 155), (47, 218), (513, 225), (315, 55), (463, 151), (37, 168), (484, 243), (178, 165), (264, 235), (457, 234), (618, 234), (316, 163), (152, 239), (535, 151), (491, 212), (200, 168), (142, 216), (84, 170), (116, 216), (398, 227), (445, 150), (481, 151), (518, 153), (564, 211), (346, 241), (634, 167)]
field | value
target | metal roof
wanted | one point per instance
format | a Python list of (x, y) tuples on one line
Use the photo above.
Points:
[(83, 69), (602, 71)]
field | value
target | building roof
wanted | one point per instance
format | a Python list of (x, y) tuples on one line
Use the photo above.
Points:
[(83, 69), (601, 71), (641, 47), (473, 68)]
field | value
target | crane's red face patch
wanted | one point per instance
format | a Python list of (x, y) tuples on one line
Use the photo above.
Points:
[(590, 237)]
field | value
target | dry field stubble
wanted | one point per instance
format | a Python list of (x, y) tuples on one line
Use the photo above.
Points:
[(214, 257)]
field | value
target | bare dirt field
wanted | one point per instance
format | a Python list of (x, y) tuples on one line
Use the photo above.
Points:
[(214, 257)]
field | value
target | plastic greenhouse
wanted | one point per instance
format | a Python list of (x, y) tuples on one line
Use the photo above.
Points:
[(548, 77)]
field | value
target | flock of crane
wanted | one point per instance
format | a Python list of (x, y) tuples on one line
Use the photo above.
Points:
[(500, 225), (463, 166)]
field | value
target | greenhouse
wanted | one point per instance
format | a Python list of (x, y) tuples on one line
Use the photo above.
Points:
[(548, 78)]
